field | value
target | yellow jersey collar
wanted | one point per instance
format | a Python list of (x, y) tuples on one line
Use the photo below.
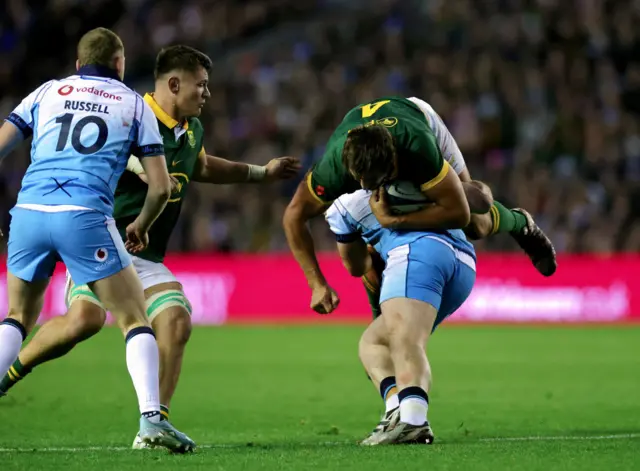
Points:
[(162, 115)]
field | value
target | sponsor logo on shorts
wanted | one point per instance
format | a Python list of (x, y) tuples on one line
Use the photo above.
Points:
[(101, 255)]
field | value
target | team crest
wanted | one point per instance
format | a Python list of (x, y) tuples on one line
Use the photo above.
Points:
[(101, 255), (191, 138), (388, 122)]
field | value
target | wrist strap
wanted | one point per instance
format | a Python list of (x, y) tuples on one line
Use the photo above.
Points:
[(256, 173)]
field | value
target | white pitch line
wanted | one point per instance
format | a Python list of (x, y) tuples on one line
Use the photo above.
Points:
[(561, 438), (532, 438)]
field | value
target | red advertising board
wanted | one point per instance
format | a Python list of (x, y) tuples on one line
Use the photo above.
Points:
[(271, 288)]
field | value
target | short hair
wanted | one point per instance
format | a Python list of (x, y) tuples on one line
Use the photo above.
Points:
[(369, 153), (180, 58), (98, 47)]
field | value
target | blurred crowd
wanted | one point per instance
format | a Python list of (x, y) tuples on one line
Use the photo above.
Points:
[(542, 97)]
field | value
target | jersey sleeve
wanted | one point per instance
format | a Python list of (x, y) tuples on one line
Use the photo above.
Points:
[(22, 116), (328, 179), (149, 142), (202, 153), (341, 223), (429, 165)]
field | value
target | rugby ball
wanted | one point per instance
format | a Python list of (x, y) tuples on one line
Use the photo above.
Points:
[(405, 197)]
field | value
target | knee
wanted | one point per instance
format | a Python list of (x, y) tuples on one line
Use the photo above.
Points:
[(85, 320), (175, 329), (479, 196)]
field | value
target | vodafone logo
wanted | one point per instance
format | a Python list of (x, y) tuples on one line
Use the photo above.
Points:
[(66, 90)]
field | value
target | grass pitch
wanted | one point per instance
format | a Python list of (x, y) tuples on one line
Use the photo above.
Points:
[(296, 398)]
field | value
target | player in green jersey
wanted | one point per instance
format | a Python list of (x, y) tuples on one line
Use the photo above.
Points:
[(404, 139), (180, 92)]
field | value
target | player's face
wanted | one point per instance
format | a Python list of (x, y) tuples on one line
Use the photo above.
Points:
[(193, 92)]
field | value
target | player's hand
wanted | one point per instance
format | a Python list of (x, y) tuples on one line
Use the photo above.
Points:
[(143, 177), (282, 168), (380, 207), (324, 299), (137, 238)]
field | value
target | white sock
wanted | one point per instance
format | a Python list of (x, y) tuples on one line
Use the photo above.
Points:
[(143, 363), (413, 410), (10, 343), (392, 402)]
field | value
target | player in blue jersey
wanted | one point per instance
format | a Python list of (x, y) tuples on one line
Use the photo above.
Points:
[(84, 129), (427, 277)]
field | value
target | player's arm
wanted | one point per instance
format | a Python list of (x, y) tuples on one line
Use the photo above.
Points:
[(211, 169), (10, 137), (304, 206), (150, 151), (351, 247), (19, 124), (449, 208)]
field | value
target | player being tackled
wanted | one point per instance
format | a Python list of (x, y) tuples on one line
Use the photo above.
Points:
[(391, 139), (181, 90)]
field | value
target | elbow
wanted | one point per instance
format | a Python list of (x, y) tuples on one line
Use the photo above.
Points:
[(162, 192), (461, 216), (355, 270), (293, 216)]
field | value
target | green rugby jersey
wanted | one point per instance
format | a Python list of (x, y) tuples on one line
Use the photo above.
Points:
[(183, 145), (419, 158)]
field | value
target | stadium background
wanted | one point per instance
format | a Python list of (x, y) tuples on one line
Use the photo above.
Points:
[(542, 97)]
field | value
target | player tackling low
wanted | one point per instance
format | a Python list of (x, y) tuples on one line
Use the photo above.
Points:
[(428, 275), (180, 92), (401, 139), (84, 128)]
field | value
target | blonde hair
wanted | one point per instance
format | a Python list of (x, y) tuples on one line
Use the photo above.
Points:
[(98, 47)]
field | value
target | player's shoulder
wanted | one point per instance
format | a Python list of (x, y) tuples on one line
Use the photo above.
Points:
[(355, 204), (195, 125)]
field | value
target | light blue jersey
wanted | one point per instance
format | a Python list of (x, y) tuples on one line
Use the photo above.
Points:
[(350, 217), (84, 129), (438, 268)]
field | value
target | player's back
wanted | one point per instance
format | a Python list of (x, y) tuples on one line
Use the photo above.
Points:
[(84, 129), (351, 213)]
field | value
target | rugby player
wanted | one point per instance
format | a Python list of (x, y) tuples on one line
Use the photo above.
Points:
[(404, 139), (181, 90), (84, 128), (427, 276)]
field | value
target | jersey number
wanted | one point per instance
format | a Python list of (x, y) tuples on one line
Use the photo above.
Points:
[(66, 119), (372, 108)]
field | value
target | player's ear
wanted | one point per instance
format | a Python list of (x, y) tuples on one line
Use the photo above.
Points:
[(77, 65), (174, 85)]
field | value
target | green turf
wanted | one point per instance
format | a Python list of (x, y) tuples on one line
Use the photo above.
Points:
[(295, 398)]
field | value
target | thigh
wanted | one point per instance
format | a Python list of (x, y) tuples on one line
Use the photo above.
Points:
[(25, 299), (74, 293), (89, 245), (121, 294), (31, 256), (153, 274)]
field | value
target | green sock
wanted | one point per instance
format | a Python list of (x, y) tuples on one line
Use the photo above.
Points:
[(15, 374), (505, 219), (164, 410)]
